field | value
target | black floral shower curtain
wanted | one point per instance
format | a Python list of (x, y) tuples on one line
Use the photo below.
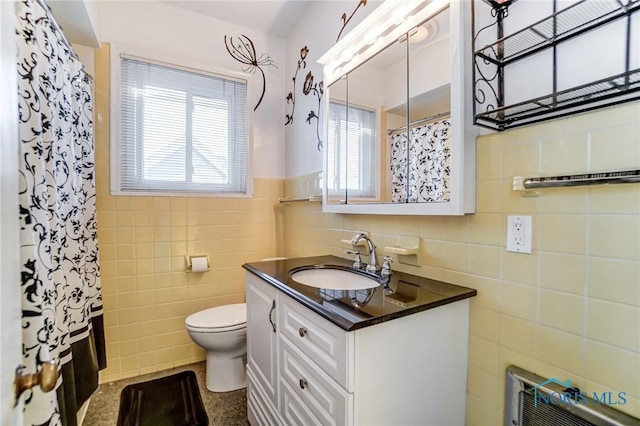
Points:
[(61, 293), (422, 173)]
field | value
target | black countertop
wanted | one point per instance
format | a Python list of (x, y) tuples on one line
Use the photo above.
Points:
[(354, 309)]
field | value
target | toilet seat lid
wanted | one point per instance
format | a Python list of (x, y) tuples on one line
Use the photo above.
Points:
[(226, 316)]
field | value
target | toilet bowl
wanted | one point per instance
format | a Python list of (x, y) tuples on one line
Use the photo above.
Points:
[(222, 332)]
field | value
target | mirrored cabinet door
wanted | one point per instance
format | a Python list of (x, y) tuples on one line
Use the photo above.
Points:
[(370, 113), (430, 129), (335, 168)]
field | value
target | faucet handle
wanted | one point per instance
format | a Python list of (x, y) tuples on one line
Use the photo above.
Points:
[(357, 262), (386, 267)]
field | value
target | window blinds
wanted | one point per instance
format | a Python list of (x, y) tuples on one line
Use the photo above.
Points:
[(352, 150), (181, 131)]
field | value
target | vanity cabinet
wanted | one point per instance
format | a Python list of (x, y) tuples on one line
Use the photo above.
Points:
[(408, 370), (262, 387)]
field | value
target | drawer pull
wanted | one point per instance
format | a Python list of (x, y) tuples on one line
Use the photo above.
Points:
[(302, 331), (273, 308), (303, 383)]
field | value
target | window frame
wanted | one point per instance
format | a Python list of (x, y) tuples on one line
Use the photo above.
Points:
[(116, 53)]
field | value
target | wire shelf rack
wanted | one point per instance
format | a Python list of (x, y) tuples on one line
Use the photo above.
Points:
[(491, 64)]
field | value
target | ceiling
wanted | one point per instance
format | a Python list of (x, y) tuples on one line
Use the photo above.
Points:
[(275, 17)]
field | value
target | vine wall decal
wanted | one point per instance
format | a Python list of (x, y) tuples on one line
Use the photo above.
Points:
[(244, 51), (291, 97), (310, 87), (346, 20), (318, 90)]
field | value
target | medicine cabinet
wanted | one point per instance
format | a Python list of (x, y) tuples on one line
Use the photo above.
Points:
[(399, 132)]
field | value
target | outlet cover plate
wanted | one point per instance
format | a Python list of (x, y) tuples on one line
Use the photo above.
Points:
[(519, 234)]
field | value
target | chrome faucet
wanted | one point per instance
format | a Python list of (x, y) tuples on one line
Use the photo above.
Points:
[(372, 266)]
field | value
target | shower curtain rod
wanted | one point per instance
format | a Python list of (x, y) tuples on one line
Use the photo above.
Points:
[(58, 28), (421, 120)]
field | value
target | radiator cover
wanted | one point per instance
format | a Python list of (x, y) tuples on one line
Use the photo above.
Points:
[(520, 409)]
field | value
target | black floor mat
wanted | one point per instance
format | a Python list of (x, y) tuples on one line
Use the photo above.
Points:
[(172, 401)]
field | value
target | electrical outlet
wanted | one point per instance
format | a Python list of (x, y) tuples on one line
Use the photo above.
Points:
[(519, 231)]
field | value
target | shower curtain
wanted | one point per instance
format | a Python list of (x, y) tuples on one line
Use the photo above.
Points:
[(420, 164), (60, 275)]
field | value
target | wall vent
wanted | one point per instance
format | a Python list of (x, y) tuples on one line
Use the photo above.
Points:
[(532, 400)]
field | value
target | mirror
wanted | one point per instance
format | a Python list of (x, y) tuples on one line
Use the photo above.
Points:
[(371, 156), (429, 135), (335, 170), (357, 161)]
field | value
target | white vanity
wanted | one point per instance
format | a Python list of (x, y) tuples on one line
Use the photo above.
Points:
[(331, 357)]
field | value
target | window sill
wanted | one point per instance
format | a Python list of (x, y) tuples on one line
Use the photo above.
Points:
[(180, 194)]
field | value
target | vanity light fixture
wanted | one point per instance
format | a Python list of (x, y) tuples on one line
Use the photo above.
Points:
[(391, 20), (398, 18), (347, 56), (373, 40)]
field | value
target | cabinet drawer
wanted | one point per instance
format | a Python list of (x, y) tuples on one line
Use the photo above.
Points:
[(324, 399), (325, 344), (293, 410), (259, 410)]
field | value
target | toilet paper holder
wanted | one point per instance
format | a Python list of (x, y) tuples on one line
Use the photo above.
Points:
[(195, 263)]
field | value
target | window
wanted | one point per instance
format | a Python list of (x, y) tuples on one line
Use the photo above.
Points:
[(181, 131), (352, 150)]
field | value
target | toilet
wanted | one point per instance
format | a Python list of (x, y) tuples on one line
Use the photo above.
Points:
[(222, 332)]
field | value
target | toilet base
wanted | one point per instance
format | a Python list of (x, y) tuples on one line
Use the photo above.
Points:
[(225, 374)]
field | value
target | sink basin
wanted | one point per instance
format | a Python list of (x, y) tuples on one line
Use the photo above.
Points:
[(333, 277)]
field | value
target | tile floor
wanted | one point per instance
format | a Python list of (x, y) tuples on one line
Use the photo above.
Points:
[(223, 409)]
